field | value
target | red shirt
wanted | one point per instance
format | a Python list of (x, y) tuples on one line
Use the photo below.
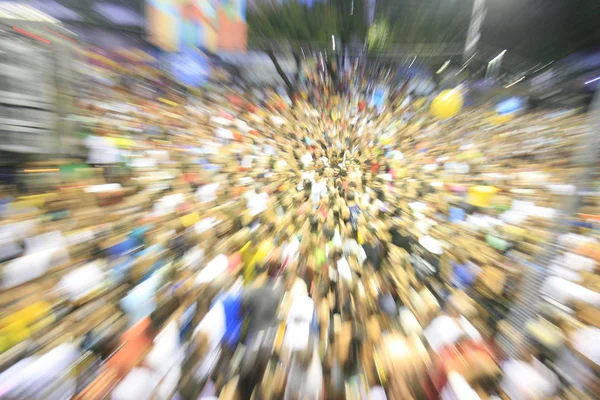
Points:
[(447, 356), (190, 177)]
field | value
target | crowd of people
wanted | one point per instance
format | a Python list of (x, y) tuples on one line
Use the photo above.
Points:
[(239, 244)]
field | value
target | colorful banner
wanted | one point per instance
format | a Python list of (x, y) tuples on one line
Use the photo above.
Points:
[(213, 25)]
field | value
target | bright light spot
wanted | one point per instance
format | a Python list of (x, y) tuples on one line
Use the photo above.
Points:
[(465, 64), (515, 82), (503, 52), (398, 348), (443, 67), (542, 67), (412, 62), (449, 94), (333, 42), (593, 80)]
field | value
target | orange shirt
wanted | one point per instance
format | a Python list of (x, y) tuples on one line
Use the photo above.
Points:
[(135, 342)]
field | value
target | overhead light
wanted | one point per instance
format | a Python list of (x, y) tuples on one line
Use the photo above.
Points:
[(412, 62), (515, 82), (465, 64), (542, 67), (503, 52), (333, 42), (593, 80), (443, 67)]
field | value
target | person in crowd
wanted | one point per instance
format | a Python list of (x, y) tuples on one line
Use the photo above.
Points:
[(285, 227)]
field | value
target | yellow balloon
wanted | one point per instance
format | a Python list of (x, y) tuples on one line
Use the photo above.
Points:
[(447, 104)]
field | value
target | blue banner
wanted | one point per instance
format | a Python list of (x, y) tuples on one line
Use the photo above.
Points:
[(190, 67)]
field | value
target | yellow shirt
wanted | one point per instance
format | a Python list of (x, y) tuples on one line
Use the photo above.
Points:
[(252, 256), (481, 196)]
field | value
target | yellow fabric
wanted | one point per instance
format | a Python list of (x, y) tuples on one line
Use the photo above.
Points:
[(246, 252), (14, 333), (123, 142), (264, 249), (28, 315), (359, 238), (420, 102), (481, 196), (251, 257), (514, 232), (37, 200), (386, 140), (400, 172), (189, 219), (501, 119)]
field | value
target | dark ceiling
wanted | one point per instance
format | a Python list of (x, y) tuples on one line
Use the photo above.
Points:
[(543, 30), (536, 30)]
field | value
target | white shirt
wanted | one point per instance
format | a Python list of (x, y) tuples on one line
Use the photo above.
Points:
[(290, 249), (280, 164), (247, 161), (306, 159), (257, 202), (83, 280), (299, 288), (318, 190), (277, 120), (139, 383), (224, 133), (351, 246), (215, 268), (207, 193), (298, 323), (344, 270), (101, 150), (310, 175)]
